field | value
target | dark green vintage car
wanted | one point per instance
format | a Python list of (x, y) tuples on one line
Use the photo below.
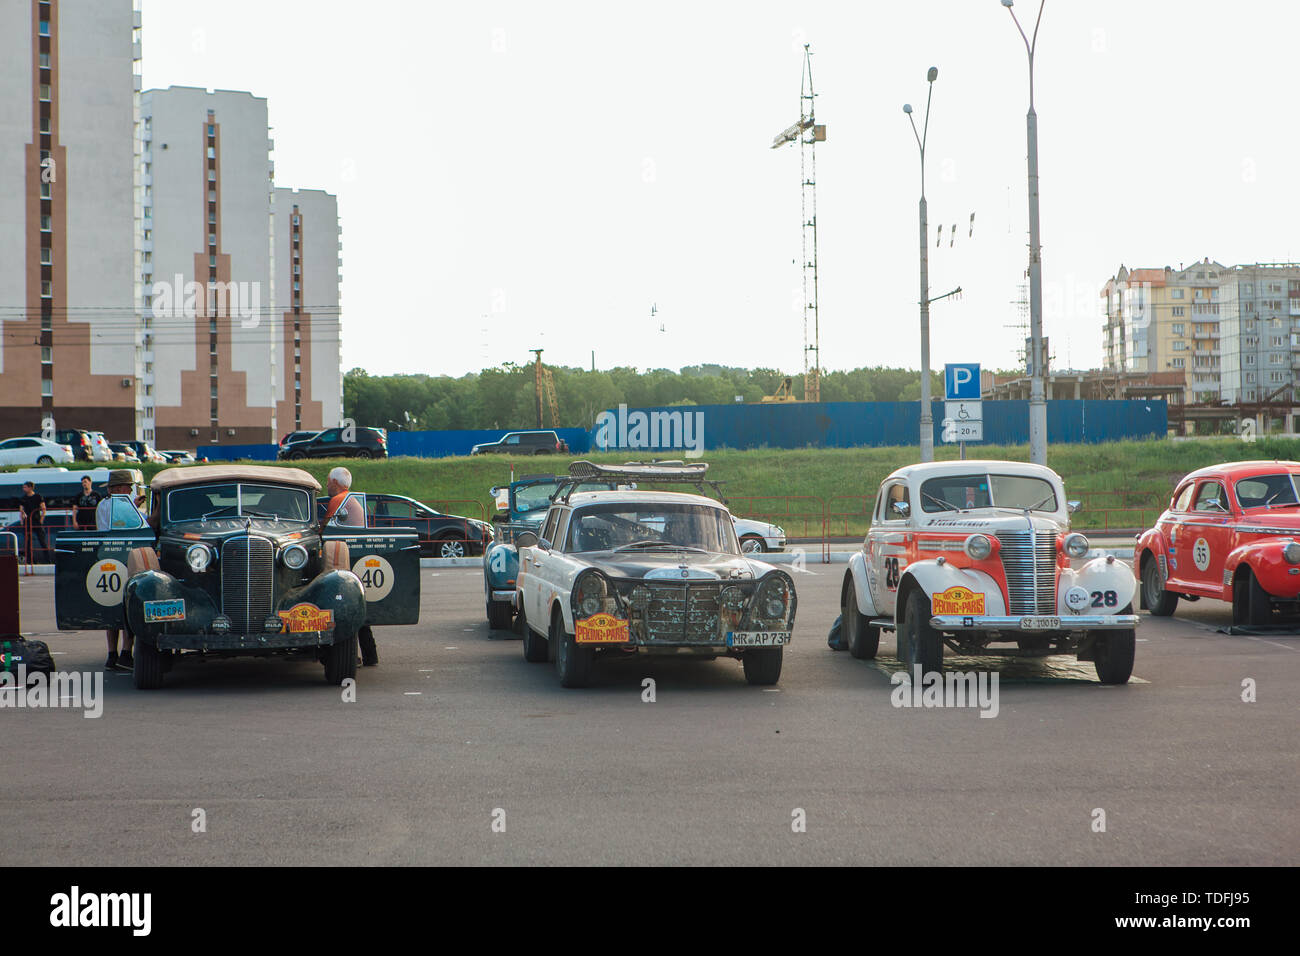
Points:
[(232, 561)]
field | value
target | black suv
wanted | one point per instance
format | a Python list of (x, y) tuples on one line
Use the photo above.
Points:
[(365, 443), (524, 443)]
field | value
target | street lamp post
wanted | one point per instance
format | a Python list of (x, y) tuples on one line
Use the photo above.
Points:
[(1037, 396), (927, 419)]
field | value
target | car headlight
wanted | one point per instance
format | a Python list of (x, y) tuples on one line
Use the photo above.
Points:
[(1292, 552), (592, 595), (774, 600), (1076, 545), (977, 547), (294, 557), (198, 557)]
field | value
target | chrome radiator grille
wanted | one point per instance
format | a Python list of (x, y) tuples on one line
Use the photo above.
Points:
[(247, 572), (1025, 559), (682, 612)]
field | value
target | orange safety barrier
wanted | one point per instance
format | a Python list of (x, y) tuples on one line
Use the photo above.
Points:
[(1118, 511)]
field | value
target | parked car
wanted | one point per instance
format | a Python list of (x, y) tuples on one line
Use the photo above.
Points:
[(34, 451), (522, 507), (123, 452), (1231, 532), (441, 535), (615, 573), (524, 443), (757, 537), (75, 438), (99, 447), (235, 565), (179, 457), (339, 443), (145, 452), (968, 554)]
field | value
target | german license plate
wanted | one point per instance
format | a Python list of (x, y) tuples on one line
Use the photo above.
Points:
[(1040, 623), (155, 611), (757, 638)]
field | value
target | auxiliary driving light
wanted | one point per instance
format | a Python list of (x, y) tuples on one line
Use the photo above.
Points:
[(977, 547)]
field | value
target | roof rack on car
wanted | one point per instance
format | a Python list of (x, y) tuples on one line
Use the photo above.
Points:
[(670, 472)]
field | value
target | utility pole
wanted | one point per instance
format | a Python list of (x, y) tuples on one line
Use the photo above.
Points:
[(927, 417)]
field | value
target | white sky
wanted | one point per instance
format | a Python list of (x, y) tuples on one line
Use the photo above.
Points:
[(514, 175)]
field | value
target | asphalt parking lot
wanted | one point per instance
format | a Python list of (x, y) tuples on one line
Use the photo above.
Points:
[(455, 731)]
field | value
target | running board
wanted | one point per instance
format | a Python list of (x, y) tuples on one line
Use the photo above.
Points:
[(884, 623)]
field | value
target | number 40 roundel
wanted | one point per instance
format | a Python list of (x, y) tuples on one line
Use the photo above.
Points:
[(376, 576)]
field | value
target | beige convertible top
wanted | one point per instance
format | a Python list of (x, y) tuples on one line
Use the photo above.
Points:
[(202, 474)]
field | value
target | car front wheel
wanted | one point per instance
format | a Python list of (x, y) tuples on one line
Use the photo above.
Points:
[(341, 661), (1113, 654), (1159, 602), (763, 668), (1251, 604), (918, 642), (147, 672), (860, 636), (499, 614)]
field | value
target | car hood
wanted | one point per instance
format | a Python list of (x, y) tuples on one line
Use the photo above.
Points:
[(218, 529), (673, 565), (989, 521), (1277, 521)]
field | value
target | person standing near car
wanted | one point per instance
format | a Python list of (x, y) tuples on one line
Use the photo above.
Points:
[(344, 510), (87, 503), (120, 482), (33, 508)]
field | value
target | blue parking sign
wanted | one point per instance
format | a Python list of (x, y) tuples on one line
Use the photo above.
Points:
[(961, 382)]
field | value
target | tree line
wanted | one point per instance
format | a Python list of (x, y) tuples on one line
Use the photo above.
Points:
[(505, 396)]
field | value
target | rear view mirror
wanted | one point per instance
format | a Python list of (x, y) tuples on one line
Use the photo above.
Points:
[(526, 539), (1074, 506), (900, 508)]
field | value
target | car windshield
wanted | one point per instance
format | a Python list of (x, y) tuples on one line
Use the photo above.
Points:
[(960, 492), (1268, 491), (231, 500), (538, 497), (652, 526)]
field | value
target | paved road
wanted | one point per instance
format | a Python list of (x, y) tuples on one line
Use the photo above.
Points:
[(454, 724)]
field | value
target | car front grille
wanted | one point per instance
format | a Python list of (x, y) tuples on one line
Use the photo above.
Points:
[(247, 573), (682, 613), (1024, 559)]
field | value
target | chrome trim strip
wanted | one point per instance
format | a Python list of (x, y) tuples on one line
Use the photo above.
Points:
[(1075, 622)]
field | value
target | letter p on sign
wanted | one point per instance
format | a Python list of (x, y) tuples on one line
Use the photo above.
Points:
[(961, 382)]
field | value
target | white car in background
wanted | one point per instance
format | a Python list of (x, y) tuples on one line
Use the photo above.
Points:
[(99, 449), (34, 451), (758, 536)]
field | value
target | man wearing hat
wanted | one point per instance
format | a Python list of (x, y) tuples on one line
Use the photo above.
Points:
[(120, 482)]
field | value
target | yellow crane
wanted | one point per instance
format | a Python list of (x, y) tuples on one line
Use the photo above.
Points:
[(545, 383)]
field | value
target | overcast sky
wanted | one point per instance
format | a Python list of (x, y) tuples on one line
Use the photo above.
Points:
[(515, 175)]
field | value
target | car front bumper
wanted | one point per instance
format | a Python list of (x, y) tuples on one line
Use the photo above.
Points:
[(1074, 622)]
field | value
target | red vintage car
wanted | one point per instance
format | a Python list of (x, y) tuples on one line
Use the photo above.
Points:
[(1230, 532)]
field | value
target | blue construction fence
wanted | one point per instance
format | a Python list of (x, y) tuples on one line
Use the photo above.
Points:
[(789, 425)]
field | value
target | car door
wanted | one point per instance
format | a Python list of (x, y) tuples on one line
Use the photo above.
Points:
[(90, 569), (533, 563), (8, 451), (387, 560), (1203, 543), (886, 548), (1170, 527)]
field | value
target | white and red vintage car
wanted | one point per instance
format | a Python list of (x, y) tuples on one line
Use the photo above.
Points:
[(969, 554)]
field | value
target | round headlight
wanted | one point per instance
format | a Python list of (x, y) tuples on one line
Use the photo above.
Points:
[(198, 557), (774, 608), (977, 547), (1292, 553), (294, 557), (1076, 545), (589, 593)]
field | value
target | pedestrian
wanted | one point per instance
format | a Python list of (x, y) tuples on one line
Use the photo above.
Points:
[(121, 482), (33, 508), (87, 502), (346, 511)]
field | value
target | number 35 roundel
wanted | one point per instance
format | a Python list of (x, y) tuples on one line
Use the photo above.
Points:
[(376, 576)]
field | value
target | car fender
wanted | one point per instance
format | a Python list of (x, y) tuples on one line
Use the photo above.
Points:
[(1151, 540), (500, 567), (932, 578), (1265, 560), (1097, 577), (858, 572)]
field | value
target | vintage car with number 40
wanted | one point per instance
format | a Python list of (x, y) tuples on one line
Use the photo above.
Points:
[(620, 573), (233, 562), (1231, 532), (969, 554)]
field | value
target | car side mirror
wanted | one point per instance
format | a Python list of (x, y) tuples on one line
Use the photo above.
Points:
[(900, 508), (526, 539), (544, 544), (1074, 507)]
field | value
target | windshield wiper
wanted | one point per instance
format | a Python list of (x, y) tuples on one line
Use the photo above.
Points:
[(659, 544), (945, 505), (211, 514)]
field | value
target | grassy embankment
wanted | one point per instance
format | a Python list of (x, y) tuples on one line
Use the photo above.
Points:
[(1123, 484)]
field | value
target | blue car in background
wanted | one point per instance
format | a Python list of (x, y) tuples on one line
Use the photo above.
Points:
[(522, 507)]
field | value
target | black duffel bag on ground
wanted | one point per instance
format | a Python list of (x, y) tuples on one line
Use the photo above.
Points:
[(16, 651)]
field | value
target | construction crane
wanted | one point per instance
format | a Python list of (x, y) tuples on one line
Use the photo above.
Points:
[(784, 392), (545, 383), (808, 134)]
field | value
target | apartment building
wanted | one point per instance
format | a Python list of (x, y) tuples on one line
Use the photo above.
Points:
[(1261, 332), (308, 259), (209, 343), (69, 215)]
